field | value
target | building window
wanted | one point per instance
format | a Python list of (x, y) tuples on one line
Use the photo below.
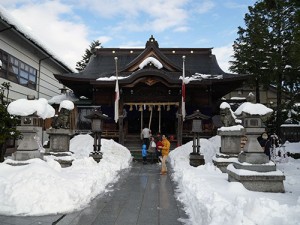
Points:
[(17, 71)]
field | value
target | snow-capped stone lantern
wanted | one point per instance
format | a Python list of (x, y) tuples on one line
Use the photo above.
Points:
[(97, 122), (253, 168), (30, 110), (196, 158)]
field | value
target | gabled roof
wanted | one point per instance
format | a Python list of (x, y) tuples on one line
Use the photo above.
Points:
[(201, 67), (152, 50), (102, 63)]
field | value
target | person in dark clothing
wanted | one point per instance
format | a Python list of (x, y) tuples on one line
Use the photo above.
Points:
[(265, 143), (158, 150)]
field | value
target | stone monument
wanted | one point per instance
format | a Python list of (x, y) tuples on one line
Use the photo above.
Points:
[(253, 168), (60, 133), (28, 147), (231, 134)]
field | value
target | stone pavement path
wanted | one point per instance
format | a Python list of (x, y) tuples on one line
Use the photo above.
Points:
[(140, 197)]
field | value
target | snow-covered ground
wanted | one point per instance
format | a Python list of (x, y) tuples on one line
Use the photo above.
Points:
[(209, 199), (41, 187)]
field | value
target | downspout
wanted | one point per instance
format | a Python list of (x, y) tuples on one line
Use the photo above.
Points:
[(38, 90), (39, 75)]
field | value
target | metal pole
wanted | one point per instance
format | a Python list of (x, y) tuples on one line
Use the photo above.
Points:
[(159, 121)]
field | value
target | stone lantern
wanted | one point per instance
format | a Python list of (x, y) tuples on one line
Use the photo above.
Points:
[(253, 168), (196, 158), (28, 146), (97, 123)]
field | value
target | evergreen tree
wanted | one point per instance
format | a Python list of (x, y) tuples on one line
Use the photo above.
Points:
[(268, 48), (80, 65), (8, 122)]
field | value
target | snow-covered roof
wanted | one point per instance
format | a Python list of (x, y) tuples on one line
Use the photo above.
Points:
[(152, 60), (111, 78), (23, 30), (199, 76)]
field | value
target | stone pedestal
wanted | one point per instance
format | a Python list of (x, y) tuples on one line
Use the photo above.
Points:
[(223, 160), (65, 159), (230, 146), (59, 139), (254, 169), (196, 159), (269, 181), (28, 146)]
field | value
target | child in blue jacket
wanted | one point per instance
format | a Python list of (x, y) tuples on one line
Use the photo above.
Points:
[(144, 153)]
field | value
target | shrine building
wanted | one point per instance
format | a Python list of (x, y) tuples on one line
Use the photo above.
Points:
[(150, 89)]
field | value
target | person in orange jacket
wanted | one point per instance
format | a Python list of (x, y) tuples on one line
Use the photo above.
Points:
[(165, 148)]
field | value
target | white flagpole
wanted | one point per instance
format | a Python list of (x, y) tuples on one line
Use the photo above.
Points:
[(117, 93), (183, 90)]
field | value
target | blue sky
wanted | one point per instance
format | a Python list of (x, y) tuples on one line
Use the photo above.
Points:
[(67, 27)]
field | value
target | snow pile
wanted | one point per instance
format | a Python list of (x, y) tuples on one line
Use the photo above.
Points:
[(253, 109), (41, 187), (59, 98), (66, 104), (231, 128), (209, 199), (25, 107)]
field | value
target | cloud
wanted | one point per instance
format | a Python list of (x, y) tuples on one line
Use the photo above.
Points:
[(182, 29), (204, 6), (68, 39), (223, 55), (144, 15), (104, 39)]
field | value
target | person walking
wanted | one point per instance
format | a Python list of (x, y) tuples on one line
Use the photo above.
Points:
[(152, 149), (164, 152), (145, 135)]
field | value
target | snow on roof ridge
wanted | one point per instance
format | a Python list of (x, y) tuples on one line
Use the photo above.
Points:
[(14, 22)]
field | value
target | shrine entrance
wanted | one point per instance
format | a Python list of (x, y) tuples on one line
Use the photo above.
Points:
[(159, 117)]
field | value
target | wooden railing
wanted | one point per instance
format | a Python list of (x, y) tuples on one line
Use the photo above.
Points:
[(110, 134)]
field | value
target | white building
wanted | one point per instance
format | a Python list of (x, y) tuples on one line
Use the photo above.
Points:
[(26, 63)]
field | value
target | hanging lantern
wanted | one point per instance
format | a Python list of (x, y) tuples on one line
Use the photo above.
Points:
[(150, 107), (141, 108), (131, 108), (159, 108), (168, 108)]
